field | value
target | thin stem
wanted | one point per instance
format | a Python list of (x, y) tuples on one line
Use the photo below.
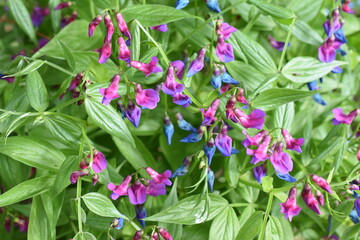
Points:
[(248, 183), (246, 205), (251, 23), (67, 103), (66, 116), (286, 44), (78, 198), (268, 208)]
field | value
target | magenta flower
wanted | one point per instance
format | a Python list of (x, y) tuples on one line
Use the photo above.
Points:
[(255, 119), (133, 113), (93, 24), (209, 114), (224, 29), (137, 193), (280, 160), (147, 68), (224, 50), (109, 27), (160, 28), (261, 153), (38, 14), (276, 44), (165, 234), (155, 189), (320, 197), (105, 52), (197, 64), (291, 143), (259, 172), (99, 162), (223, 142), (333, 24), (120, 190), (179, 68), (182, 99), (341, 117), (327, 51), (290, 208), (146, 98), (171, 86), (346, 8), (111, 92), (22, 223), (75, 175), (321, 183), (75, 82), (8, 79), (309, 199), (122, 25), (138, 235), (63, 5), (255, 140), (240, 96), (357, 205), (124, 51), (159, 178)]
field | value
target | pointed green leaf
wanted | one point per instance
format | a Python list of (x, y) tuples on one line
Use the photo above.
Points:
[(101, 205), (36, 91), (280, 13), (225, 225)]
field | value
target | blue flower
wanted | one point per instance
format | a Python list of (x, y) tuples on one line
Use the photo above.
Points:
[(213, 5), (209, 150), (183, 169), (211, 179), (180, 4), (168, 129), (140, 214), (286, 177)]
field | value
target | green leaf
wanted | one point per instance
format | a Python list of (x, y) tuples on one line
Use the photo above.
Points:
[(68, 55), (108, 119), (62, 128), (345, 207), (225, 225), (12, 172), (274, 230), (275, 97), (191, 210), (330, 150), (265, 84), (137, 155), (22, 18), (135, 41), (36, 91), (232, 173), (251, 228), (152, 14), (284, 116), (351, 232), (55, 15), (105, 4), (25, 190), (62, 179), (307, 69), (267, 183), (101, 205), (282, 14), (38, 221), (34, 65), (85, 236), (306, 10), (32, 151), (255, 54)]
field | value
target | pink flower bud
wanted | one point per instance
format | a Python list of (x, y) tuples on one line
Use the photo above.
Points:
[(309, 199), (105, 52), (321, 183), (290, 208), (165, 234), (109, 28), (122, 25), (93, 24)]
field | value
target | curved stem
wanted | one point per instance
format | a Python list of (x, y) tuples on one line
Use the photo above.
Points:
[(286, 44), (268, 208), (78, 198)]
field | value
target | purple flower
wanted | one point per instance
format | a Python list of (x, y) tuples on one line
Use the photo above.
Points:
[(22, 223), (197, 64), (195, 136), (155, 189), (346, 8), (111, 92), (240, 96), (147, 68), (75, 82), (140, 214), (7, 224), (255, 119), (133, 113), (255, 140), (211, 179), (183, 124), (224, 29), (209, 114), (105, 52), (165, 234), (122, 25), (290, 208), (260, 154), (280, 160), (171, 86), (321, 183), (94, 179), (213, 5), (146, 98), (291, 143), (124, 51), (38, 14), (179, 68), (320, 197), (8, 79), (109, 27), (327, 51), (181, 99), (160, 28), (159, 178), (137, 193), (276, 44), (121, 190), (223, 142), (309, 199), (259, 172), (168, 129), (99, 162), (138, 235), (75, 175), (180, 4), (63, 5), (357, 206), (332, 25), (182, 169), (93, 24), (224, 50), (341, 117), (216, 78), (209, 150)]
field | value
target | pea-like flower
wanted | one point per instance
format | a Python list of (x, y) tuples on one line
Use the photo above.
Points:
[(122, 25), (341, 118), (255, 119), (224, 50), (160, 28), (209, 114), (259, 172), (261, 153), (290, 208), (93, 24), (291, 143), (105, 52), (213, 5), (133, 113), (171, 86), (99, 162), (321, 182), (147, 68), (111, 92), (224, 29), (198, 64), (146, 98), (124, 51), (281, 160), (309, 199)]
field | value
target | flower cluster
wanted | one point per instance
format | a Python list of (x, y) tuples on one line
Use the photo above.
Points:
[(154, 235), (220, 76), (78, 84)]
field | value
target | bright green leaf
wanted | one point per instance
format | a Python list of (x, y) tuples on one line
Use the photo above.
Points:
[(101, 205), (36, 91)]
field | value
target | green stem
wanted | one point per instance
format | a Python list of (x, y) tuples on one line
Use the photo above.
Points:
[(78, 198), (246, 205), (268, 208), (248, 183), (66, 116), (251, 23), (67, 103), (286, 44), (59, 68)]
